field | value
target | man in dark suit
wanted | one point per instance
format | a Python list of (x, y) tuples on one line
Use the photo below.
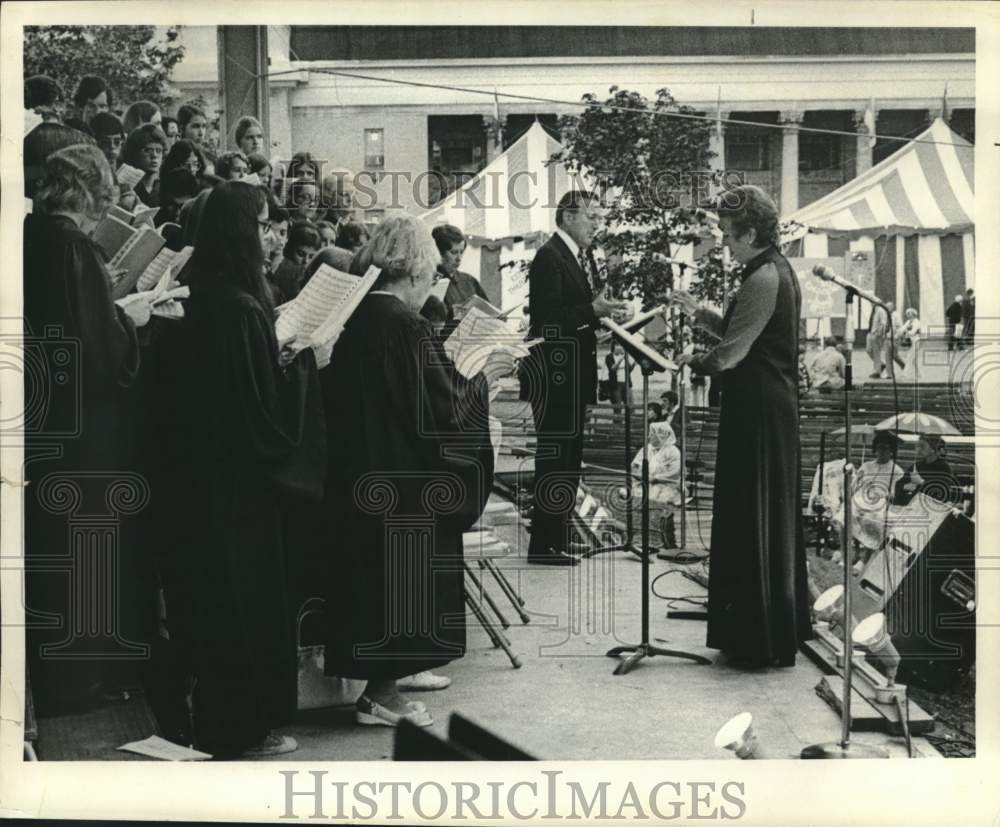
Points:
[(953, 315), (565, 310)]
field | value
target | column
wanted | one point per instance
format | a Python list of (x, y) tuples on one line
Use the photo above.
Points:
[(717, 165), (863, 143), (790, 161)]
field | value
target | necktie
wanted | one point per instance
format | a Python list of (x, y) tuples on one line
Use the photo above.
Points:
[(584, 258)]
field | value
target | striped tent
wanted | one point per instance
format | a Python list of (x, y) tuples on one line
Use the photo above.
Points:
[(916, 210), (506, 211)]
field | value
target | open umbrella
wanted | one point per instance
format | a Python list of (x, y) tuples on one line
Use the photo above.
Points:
[(918, 423)]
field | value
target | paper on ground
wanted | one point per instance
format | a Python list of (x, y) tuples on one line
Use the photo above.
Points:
[(156, 747)]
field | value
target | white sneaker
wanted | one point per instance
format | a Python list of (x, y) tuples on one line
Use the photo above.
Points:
[(423, 682), (272, 745)]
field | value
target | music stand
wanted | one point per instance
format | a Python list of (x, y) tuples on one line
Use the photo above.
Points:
[(631, 326), (649, 362)]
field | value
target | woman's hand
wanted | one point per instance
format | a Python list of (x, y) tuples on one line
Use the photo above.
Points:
[(685, 301), (139, 309), (685, 359), (289, 348)]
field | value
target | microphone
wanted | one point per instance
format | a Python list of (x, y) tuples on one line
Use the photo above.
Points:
[(827, 274), (662, 259)]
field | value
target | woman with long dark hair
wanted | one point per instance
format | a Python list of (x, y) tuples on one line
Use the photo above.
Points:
[(758, 610), (254, 423)]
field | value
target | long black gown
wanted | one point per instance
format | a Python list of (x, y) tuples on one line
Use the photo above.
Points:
[(81, 365), (410, 468), (255, 436), (758, 607)]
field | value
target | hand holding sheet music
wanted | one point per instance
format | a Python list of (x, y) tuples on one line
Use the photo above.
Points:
[(318, 314)]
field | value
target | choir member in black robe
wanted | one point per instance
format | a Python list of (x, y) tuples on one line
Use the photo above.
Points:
[(758, 612), (410, 468), (256, 437), (83, 365)]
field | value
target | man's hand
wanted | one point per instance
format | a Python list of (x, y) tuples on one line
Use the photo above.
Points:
[(605, 306)]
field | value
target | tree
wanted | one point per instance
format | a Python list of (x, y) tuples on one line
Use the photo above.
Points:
[(650, 162), (136, 64)]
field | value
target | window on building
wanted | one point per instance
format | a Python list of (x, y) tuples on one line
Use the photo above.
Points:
[(456, 151), (748, 149), (374, 149), (818, 152)]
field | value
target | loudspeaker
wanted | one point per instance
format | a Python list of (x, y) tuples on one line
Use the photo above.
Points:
[(931, 612)]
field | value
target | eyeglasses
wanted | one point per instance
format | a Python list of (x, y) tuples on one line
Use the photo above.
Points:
[(265, 226)]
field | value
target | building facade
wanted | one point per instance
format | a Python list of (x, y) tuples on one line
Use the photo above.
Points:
[(415, 111)]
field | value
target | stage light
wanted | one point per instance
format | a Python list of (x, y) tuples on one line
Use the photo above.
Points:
[(737, 735), (829, 605), (872, 635)]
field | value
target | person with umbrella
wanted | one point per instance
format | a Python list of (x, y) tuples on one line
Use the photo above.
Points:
[(931, 474)]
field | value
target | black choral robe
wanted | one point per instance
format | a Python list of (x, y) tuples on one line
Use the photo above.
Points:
[(257, 437), (410, 468), (81, 363)]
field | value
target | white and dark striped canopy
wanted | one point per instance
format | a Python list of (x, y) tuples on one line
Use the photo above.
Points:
[(923, 188)]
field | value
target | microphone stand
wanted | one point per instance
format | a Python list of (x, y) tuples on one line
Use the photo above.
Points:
[(682, 554), (844, 748)]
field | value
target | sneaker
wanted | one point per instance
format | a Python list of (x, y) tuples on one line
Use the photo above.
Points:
[(371, 713), (272, 745), (423, 682)]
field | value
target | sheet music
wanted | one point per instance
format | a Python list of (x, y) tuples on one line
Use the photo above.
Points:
[(326, 301), (476, 338), (632, 341), (253, 179), (129, 176), (165, 260), (144, 215)]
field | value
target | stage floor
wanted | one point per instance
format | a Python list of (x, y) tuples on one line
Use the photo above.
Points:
[(565, 704)]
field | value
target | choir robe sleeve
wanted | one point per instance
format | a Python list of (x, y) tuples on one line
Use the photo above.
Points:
[(110, 345), (755, 305), (276, 417), (451, 415)]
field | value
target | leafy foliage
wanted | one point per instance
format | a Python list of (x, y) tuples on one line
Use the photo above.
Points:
[(651, 165), (136, 65)]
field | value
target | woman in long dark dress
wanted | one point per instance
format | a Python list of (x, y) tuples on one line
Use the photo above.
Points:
[(758, 612), (256, 435), (78, 447), (410, 468)]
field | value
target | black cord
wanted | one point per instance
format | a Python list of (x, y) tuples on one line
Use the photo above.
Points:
[(693, 599)]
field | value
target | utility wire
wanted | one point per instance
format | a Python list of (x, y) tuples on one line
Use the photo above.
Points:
[(493, 92)]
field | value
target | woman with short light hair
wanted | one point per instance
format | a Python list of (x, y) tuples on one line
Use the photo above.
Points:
[(409, 445)]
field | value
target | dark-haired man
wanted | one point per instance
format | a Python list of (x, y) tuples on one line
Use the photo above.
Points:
[(566, 306)]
